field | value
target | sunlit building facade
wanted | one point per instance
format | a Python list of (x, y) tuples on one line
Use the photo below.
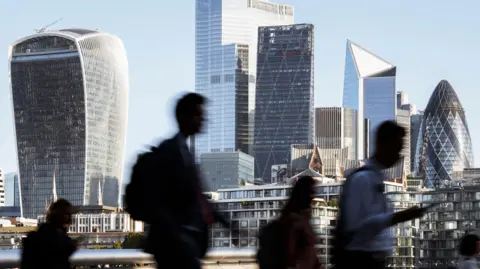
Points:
[(336, 128), (369, 88), (444, 143), (284, 110), (226, 34), (69, 90), (12, 190), (403, 119)]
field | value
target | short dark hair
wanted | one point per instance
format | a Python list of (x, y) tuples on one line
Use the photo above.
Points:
[(388, 131), (187, 106), (60, 206), (468, 245)]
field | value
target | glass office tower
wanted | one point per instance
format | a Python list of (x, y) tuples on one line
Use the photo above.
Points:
[(284, 111), (225, 68), (444, 143), (69, 91), (369, 88)]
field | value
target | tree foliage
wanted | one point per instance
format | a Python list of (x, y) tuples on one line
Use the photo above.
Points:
[(117, 245), (133, 241), (333, 203)]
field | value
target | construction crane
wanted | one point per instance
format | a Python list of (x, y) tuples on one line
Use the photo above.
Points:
[(43, 29)]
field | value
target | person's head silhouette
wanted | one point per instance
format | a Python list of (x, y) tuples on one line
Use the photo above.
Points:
[(60, 213), (388, 143), (302, 195), (190, 114), (469, 245)]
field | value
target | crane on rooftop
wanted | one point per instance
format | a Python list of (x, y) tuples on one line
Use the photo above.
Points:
[(43, 29)]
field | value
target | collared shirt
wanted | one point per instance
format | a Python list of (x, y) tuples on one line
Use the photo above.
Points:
[(367, 212), (182, 144), (467, 263)]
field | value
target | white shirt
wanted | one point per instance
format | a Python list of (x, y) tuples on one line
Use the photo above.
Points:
[(467, 263), (367, 212)]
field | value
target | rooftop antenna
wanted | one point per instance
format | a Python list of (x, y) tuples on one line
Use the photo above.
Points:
[(43, 29)]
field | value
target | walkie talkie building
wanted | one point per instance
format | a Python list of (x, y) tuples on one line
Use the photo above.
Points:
[(69, 93)]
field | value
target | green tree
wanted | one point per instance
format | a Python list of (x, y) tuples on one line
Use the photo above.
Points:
[(333, 203), (117, 245), (132, 241)]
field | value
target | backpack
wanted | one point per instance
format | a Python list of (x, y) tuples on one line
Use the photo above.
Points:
[(273, 249), (341, 238), (135, 198)]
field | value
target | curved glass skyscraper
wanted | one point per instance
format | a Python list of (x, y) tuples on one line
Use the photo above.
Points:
[(69, 93), (444, 143)]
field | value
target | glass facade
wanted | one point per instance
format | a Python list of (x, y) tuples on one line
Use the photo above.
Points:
[(378, 103), (227, 169), (284, 112), (225, 67), (415, 122), (69, 93), (12, 190), (445, 143), (369, 88)]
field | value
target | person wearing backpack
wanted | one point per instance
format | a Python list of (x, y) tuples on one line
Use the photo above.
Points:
[(289, 241), (50, 246), (165, 191), (362, 235)]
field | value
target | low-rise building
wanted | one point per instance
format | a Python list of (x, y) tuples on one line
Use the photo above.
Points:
[(457, 213), (102, 219), (227, 169), (250, 208)]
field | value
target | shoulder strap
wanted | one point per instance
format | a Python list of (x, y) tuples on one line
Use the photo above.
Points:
[(340, 231)]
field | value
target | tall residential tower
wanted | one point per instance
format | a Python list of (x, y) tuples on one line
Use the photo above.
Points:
[(69, 91), (226, 33)]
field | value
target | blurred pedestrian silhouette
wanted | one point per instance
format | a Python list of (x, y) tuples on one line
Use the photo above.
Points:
[(289, 241), (171, 191), (50, 247), (362, 235), (469, 249)]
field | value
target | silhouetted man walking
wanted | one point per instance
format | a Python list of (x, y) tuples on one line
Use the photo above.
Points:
[(362, 238), (181, 214)]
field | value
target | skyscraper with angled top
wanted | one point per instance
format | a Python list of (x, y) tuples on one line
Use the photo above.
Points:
[(369, 87), (69, 90), (226, 33)]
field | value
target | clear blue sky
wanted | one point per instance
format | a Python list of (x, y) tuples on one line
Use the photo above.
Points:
[(427, 40)]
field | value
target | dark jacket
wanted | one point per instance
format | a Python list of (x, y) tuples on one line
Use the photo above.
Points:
[(172, 192), (47, 248)]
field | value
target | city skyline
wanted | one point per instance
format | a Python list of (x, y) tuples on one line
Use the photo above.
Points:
[(328, 89)]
